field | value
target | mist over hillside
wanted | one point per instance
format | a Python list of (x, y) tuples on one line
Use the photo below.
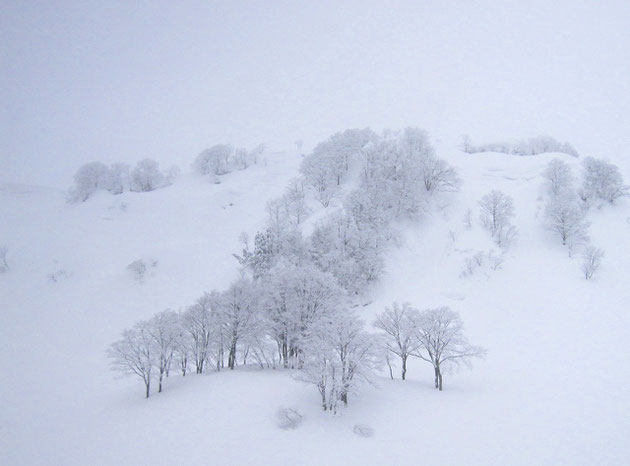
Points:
[(315, 233)]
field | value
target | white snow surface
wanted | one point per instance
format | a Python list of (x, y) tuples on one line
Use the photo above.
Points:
[(553, 390)]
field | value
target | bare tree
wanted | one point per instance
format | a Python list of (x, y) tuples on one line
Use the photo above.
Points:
[(398, 325), (496, 210), (439, 333), (592, 261), (559, 176), (134, 354), (163, 329), (565, 217)]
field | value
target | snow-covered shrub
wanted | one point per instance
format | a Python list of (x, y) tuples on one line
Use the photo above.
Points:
[(4, 265), (592, 260), (363, 430), (530, 146), (602, 180), (58, 275), (483, 262), (288, 418), (139, 268)]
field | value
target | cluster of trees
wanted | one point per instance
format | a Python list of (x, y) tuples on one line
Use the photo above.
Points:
[(567, 207), (119, 177), (497, 210), (291, 306), (433, 335), (294, 317), (529, 146), (223, 158)]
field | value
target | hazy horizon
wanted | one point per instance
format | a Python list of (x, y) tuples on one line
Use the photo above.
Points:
[(121, 81)]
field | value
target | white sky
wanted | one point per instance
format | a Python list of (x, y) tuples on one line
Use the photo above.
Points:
[(125, 80)]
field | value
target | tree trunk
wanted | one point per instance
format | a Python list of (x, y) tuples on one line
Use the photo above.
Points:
[(147, 384), (437, 371), (440, 377), (160, 382), (404, 367), (232, 356), (344, 398)]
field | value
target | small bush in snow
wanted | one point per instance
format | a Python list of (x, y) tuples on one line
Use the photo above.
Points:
[(530, 146), (592, 260), (4, 266), (363, 431), (58, 275), (288, 418), (139, 268)]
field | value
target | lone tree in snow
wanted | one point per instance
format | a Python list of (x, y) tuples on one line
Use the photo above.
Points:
[(134, 354), (496, 210), (592, 260), (565, 216), (398, 325), (439, 333), (558, 174)]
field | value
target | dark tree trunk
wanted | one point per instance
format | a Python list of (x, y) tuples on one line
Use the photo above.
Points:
[(344, 398), (148, 388), (440, 379), (437, 372)]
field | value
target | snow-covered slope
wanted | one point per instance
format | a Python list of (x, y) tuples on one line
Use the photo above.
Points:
[(553, 389)]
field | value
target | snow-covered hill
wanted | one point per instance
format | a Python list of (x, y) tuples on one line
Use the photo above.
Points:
[(553, 389)]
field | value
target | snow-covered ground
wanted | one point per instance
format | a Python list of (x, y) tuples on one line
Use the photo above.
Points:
[(553, 390)]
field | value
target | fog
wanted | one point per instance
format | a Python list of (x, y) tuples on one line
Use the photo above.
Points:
[(122, 81)]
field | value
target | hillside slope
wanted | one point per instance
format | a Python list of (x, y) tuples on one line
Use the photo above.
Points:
[(553, 389)]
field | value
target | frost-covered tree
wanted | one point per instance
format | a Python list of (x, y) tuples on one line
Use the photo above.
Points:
[(320, 175), (558, 175), (240, 316), (439, 333), (119, 178), (350, 251), (201, 323), (91, 177), (339, 356), (146, 176), (497, 209), (592, 260), (294, 201), (602, 180), (295, 299), (565, 216), (214, 160), (398, 324), (135, 354), (163, 329), (183, 344)]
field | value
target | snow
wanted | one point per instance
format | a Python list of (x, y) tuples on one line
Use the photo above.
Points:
[(553, 390)]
